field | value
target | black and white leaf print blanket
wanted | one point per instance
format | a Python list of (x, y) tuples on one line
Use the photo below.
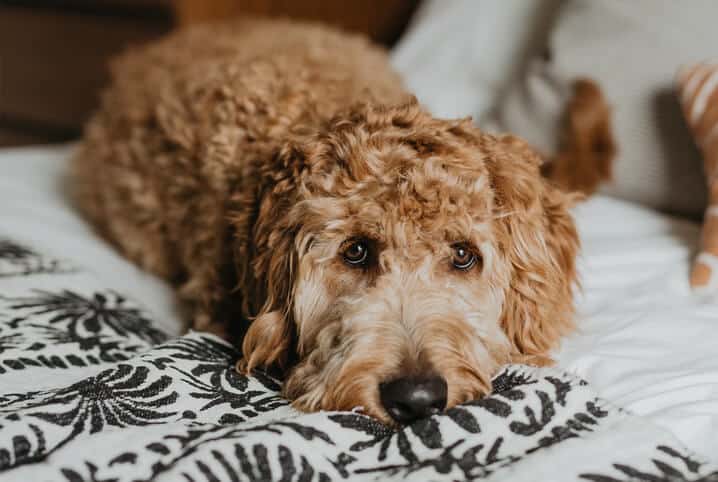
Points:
[(91, 390)]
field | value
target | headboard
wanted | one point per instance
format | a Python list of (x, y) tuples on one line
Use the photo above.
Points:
[(53, 53), (382, 20)]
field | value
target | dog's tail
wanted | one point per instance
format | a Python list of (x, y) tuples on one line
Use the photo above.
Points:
[(587, 147)]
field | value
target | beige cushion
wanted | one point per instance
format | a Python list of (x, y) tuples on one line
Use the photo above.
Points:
[(698, 90), (632, 50)]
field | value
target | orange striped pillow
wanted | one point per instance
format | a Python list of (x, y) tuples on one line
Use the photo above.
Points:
[(698, 90)]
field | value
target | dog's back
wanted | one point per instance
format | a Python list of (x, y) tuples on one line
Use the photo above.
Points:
[(185, 122)]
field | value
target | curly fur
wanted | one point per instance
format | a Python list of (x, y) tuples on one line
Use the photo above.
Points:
[(237, 159)]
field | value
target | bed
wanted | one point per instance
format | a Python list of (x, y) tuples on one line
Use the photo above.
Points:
[(97, 383)]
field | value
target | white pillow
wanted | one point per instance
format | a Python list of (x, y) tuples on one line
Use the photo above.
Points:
[(457, 55), (632, 49)]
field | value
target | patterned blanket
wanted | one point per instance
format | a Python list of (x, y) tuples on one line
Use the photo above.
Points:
[(91, 390)]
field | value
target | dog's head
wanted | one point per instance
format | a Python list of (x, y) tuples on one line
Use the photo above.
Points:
[(399, 260)]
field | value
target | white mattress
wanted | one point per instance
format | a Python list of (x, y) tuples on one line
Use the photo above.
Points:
[(644, 341)]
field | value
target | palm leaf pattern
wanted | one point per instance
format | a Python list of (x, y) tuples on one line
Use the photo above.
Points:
[(91, 390), (87, 315)]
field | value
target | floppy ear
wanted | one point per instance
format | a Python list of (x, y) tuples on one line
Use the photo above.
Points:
[(270, 339), (538, 238), (265, 255)]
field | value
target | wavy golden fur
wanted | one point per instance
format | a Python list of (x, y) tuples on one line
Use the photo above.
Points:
[(237, 160)]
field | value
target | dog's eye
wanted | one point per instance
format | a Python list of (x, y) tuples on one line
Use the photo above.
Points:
[(356, 252), (464, 258)]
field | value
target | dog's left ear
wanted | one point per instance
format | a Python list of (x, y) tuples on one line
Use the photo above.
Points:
[(537, 241), (265, 253), (538, 238)]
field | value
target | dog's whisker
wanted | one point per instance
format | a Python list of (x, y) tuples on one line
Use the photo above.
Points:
[(503, 215)]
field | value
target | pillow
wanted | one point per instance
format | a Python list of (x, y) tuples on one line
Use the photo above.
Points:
[(457, 56), (698, 91), (631, 50)]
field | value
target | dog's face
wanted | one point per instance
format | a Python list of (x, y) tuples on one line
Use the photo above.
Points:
[(406, 259)]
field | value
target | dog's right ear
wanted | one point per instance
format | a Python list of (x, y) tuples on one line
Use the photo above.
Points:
[(270, 340), (266, 256), (267, 343)]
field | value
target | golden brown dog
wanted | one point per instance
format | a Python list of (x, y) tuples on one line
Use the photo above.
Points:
[(280, 175)]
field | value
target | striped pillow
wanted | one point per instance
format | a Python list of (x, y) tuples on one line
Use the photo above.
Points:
[(698, 90)]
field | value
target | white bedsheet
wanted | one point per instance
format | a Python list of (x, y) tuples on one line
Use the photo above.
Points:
[(35, 207), (644, 341)]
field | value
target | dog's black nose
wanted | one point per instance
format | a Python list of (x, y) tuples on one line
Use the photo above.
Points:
[(408, 399)]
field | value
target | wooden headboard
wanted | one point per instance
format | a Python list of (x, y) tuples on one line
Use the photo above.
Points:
[(382, 20), (53, 53)]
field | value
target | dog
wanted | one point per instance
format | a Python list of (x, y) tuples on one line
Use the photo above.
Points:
[(281, 176)]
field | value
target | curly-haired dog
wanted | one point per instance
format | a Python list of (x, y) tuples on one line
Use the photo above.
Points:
[(279, 174)]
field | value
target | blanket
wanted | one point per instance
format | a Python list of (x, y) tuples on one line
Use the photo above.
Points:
[(92, 390)]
